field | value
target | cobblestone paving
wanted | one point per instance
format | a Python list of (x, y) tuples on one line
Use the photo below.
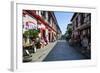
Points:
[(62, 51)]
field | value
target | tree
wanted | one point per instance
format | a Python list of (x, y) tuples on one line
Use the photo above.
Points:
[(69, 31)]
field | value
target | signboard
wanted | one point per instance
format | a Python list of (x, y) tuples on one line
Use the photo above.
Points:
[(31, 25)]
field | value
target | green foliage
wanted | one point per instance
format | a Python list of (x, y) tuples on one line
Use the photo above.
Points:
[(31, 33), (69, 31)]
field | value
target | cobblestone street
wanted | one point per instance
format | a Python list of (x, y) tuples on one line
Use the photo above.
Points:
[(62, 51)]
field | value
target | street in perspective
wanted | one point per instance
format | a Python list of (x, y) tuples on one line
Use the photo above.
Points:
[(55, 36)]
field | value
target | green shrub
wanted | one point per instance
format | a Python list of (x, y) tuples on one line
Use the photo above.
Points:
[(31, 33)]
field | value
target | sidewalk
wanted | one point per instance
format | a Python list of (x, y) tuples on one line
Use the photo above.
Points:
[(41, 54)]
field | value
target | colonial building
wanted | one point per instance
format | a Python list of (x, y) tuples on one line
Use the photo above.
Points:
[(69, 26), (81, 23), (44, 21), (81, 26)]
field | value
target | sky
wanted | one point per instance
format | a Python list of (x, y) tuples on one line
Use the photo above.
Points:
[(63, 19)]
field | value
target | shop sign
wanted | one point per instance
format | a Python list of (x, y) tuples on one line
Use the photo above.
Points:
[(31, 25)]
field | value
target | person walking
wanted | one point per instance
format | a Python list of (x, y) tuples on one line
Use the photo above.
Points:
[(42, 42), (45, 39)]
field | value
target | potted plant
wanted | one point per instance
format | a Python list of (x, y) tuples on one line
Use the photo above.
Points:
[(30, 35)]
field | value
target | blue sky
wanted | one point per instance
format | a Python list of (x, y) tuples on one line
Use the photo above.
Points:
[(63, 18)]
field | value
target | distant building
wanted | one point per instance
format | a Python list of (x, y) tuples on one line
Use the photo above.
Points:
[(45, 21), (69, 26)]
